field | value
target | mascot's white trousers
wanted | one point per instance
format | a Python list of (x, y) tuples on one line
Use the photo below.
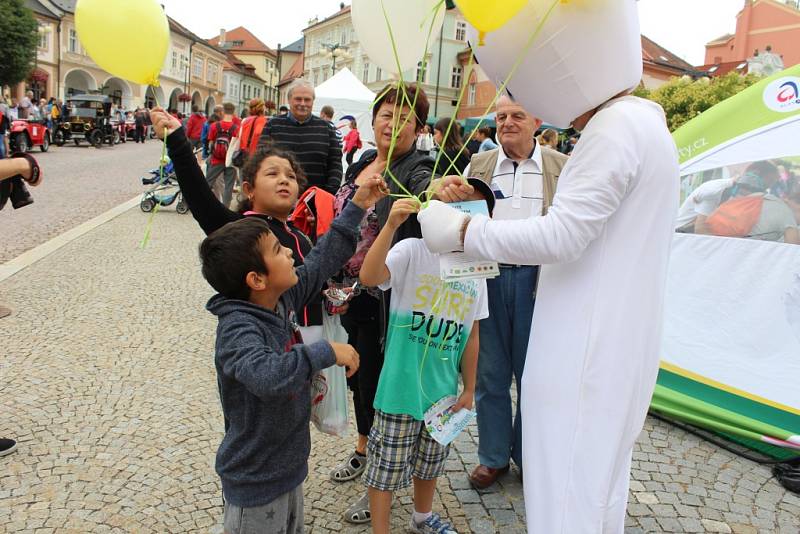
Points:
[(581, 418)]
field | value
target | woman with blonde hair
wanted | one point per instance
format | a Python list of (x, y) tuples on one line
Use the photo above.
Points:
[(549, 137)]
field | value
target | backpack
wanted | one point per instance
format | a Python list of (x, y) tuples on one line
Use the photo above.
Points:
[(736, 217), (223, 141)]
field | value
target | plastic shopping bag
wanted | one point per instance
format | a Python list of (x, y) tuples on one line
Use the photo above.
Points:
[(329, 387)]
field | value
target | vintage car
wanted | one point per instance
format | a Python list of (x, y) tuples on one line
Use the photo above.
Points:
[(87, 118), (26, 134)]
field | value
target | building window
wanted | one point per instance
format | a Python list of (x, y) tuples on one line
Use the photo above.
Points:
[(212, 72), (197, 67), (73, 41), (455, 78), (43, 36), (345, 37), (174, 61), (471, 95), (365, 72), (461, 30), (378, 74), (422, 72)]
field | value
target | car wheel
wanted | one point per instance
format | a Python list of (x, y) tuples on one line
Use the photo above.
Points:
[(182, 207), (45, 146), (23, 145), (58, 138), (96, 138), (147, 205)]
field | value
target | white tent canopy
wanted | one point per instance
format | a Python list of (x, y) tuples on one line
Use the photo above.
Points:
[(775, 140), (348, 96)]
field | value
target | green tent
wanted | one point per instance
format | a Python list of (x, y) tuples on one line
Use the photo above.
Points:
[(731, 352)]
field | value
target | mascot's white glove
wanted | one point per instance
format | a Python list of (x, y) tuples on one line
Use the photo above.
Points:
[(441, 227)]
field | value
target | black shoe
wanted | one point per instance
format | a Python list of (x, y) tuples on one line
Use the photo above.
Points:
[(19, 193), (7, 446)]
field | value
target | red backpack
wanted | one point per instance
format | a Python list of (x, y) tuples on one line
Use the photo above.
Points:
[(736, 217), (223, 141)]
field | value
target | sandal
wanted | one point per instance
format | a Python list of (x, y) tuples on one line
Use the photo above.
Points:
[(36, 171), (358, 513), (350, 468)]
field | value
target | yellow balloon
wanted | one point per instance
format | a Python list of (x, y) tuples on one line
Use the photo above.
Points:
[(128, 38), (489, 15)]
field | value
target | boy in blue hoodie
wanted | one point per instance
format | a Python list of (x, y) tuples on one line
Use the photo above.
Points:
[(264, 370)]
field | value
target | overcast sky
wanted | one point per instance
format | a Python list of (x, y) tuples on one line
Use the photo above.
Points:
[(681, 26)]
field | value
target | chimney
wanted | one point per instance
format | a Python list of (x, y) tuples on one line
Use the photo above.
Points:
[(222, 37), (341, 6)]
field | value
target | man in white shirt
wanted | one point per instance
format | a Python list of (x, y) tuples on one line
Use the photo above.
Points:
[(522, 175), (595, 340)]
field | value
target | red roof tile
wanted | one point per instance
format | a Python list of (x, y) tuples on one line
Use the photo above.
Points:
[(250, 42), (721, 69), (652, 51), (296, 71)]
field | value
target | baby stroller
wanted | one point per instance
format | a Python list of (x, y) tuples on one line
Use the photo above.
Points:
[(164, 191)]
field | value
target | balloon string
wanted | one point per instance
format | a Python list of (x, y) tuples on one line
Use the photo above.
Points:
[(441, 296), (431, 187), (149, 227), (400, 102), (514, 68)]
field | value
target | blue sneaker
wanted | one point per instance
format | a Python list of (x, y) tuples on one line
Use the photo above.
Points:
[(433, 525)]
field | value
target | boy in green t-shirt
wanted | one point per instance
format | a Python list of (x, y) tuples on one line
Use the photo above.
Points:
[(432, 336)]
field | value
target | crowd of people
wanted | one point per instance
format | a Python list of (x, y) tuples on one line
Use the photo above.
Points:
[(362, 233), (760, 201), (410, 341)]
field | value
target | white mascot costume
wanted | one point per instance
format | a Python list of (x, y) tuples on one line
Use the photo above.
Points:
[(604, 246)]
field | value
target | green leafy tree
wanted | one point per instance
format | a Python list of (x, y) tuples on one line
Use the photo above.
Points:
[(20, 36), (683, 99)]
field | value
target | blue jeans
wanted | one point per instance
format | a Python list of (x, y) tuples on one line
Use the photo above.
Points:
[(504, 344), (2, 146)]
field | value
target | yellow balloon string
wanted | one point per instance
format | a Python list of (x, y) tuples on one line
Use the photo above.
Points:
[(405, 100), (396, 129), (503, 85), (149, 226), (436, 307)]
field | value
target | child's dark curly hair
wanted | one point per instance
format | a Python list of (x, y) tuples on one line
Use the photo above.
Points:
[(253, 164)]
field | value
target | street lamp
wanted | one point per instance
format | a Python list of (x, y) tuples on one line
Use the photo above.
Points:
[(333, 51)]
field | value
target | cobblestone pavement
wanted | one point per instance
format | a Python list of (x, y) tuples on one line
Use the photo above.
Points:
[(108, 385), (79, 183)]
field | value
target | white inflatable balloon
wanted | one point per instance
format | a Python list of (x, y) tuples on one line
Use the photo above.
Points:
[(410, 21), (587, 52)]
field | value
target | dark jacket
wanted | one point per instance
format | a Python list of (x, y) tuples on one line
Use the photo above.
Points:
[(264, 378), (413, 170), (211, 214), (313, 143)]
